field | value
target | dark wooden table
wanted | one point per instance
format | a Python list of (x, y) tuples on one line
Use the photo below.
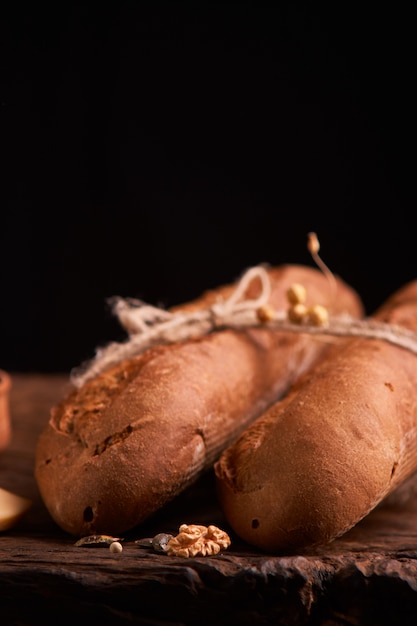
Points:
[(369, 576)]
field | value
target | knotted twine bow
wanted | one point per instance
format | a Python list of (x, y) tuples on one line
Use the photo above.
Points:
[(148, 326)]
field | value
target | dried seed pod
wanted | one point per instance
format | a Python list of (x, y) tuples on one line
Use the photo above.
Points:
[(265, 313), (296, 294), (197, 540), (297, 313), (146, 542), (318, 315), (313, 244), (91, 540), (160, 542)]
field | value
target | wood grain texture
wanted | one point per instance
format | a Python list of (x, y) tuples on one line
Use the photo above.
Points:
[(368, 576)]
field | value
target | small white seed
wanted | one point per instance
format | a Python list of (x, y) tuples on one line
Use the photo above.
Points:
[(116, 547)]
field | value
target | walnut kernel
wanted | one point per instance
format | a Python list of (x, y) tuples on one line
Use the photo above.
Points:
[(197, 540)]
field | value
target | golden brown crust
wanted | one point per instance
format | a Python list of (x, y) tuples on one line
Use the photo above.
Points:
[(5, 424), (316, 463), (128, 441)]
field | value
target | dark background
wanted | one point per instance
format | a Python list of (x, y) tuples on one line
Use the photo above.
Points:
[(156, 150)]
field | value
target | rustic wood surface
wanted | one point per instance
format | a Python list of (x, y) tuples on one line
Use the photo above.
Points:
[(369, 576)]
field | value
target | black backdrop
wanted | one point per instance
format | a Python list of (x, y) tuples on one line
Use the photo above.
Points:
[(155, 150)]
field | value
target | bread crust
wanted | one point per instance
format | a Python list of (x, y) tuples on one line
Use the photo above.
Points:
[(5, 424), (321, 459), (128, 441)]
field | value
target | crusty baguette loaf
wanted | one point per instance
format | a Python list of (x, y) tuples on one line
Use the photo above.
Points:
[(5, 425), (132, 438), (343, 438)]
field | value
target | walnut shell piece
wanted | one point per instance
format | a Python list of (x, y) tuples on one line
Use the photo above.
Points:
[(197, 540)]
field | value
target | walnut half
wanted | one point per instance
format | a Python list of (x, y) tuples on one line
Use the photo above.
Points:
[(196, 540)]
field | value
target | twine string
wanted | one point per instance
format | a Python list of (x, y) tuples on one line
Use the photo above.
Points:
[(148, 326)]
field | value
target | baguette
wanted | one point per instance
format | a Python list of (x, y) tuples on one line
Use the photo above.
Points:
[(5, 424), (126, 442), (343, 438)]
